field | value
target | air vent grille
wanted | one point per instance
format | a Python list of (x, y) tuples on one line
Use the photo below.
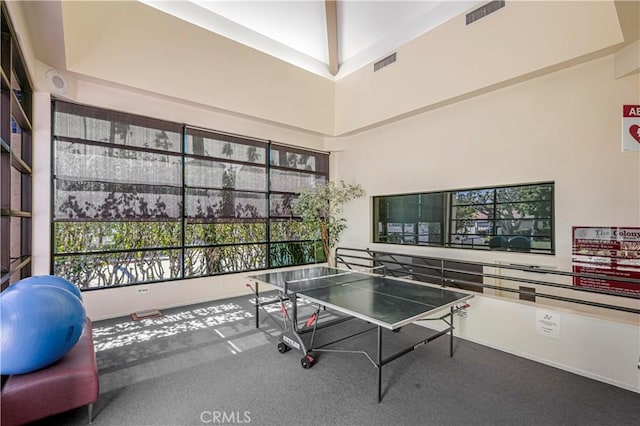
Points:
[(384, 62), (483, 11)]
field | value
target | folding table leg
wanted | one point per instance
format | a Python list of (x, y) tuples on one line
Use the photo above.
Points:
[(379, 363), (451, 332), (257, 306)]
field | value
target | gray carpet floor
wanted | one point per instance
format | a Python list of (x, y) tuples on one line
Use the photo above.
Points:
[(208, 364)]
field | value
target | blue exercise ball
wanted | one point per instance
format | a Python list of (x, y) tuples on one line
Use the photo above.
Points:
[(50, 280), (39, 324)]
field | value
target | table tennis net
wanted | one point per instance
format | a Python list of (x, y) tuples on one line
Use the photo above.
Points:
[(314, 283)]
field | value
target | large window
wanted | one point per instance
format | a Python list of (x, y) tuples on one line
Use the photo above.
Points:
[(514, 218), (139, 200), (15, 159)]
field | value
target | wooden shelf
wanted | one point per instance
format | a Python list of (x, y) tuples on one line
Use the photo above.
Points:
[(4, 146), (18, 113), (16, 108), (20, 165), (14, 213), (6, 84)]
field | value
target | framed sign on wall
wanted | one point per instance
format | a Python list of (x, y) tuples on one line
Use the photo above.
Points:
[(610, 251)]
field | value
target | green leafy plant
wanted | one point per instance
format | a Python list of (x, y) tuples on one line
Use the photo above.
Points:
[(322, 205)]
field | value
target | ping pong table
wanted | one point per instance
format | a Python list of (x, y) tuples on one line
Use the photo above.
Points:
[(385, 302)]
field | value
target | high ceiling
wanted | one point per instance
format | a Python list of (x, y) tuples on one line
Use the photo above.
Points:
[(296, 31)]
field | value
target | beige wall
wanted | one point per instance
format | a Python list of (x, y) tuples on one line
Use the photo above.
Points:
[(564, 127), (135, 45), (455, 60)]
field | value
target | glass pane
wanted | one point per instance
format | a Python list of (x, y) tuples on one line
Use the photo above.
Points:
[(292, 230), (394, 232), (77, 237), (293, 158), (410, 219), (540, 243), (225, 233), (519, 243), (281, 205), (469, 240), (225, 259), (225, 147), (298, 253), (94, 124), (527, 227), (114, 269), (89, 162), (525, 210), (431, 207), (109, 201), (476, 196), (403, 209), (210, 204), (290, 181), (483, 213), (215, 174), (430, 233), (479, 227), (524, 193), (541, 228)]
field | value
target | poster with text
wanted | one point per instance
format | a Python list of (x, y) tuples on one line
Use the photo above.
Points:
[(609, 251)]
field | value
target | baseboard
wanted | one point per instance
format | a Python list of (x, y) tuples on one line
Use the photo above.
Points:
[(557, 365)]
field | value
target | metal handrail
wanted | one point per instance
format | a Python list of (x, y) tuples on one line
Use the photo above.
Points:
[(355, 257)]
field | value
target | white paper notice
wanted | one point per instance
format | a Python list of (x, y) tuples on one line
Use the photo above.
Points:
[(548, 323)]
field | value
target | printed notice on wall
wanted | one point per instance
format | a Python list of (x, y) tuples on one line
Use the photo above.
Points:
[(548, 323), (630, 128), (610, 251)]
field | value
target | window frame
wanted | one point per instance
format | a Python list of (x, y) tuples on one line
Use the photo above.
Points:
[(448, 219), (190, 150)]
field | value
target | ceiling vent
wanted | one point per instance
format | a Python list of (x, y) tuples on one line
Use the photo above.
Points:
[(485, 10), (384, 62)]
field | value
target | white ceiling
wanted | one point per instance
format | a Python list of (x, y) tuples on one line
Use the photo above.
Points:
[(295, 31)]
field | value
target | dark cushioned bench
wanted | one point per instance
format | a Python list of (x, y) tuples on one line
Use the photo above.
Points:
[(70, 383)]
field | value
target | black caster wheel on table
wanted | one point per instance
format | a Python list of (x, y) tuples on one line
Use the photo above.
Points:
[(307, 362), (282, 348)]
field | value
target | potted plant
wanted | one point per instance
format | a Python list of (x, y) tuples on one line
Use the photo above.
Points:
[(321, 206)]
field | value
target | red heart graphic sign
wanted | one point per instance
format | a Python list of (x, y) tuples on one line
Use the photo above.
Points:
[(635, 132)]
